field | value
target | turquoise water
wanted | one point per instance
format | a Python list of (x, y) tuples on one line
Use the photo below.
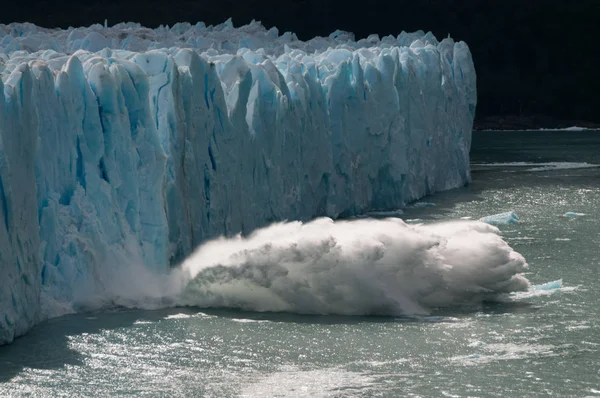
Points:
[(538, 344)]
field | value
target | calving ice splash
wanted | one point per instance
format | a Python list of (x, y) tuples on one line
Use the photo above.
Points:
[(361, 267), (124, 148)]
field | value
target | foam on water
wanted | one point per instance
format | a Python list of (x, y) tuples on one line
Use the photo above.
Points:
[(178, 316), (572, 128), (531, 166), (359, 267), (499, 352)]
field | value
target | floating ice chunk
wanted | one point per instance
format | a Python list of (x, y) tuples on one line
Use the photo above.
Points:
[(573, 214), (423, 204), (544, 289), (510, 217), (549, 285)]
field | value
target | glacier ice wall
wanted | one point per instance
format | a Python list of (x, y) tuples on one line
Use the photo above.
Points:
[(123, 147)]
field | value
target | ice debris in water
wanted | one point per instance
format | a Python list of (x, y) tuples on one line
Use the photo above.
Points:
[(573, 214), (509, 217), (549, 285), (123, 148)]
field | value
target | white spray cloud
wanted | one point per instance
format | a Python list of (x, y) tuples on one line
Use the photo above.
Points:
[(383, 267)]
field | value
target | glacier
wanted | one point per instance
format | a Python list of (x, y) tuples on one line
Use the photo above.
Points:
[(123, 148)]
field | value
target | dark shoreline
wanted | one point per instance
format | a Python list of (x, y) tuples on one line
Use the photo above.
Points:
[(530, 122)]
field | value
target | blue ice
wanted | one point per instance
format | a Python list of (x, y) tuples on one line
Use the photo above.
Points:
[(509, 217)]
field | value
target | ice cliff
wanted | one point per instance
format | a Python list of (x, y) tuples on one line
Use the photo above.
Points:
[(125, 147)]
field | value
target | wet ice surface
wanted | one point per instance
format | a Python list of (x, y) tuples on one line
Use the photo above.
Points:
[(536, 344)]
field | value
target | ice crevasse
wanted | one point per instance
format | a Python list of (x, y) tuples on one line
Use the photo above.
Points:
[(125, 147)]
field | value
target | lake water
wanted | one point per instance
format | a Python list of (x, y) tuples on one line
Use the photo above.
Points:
[(541, 343)]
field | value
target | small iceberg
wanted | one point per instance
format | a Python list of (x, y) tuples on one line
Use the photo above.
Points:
[(573, 214), (549, 285), (509, 217), (423, 204), (545, 289)]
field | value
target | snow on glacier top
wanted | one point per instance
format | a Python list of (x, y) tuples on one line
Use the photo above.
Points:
[(276, 58), (24, 42), (220, 39)]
